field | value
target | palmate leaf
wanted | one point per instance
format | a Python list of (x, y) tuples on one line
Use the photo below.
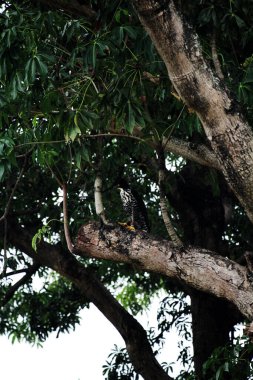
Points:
[(33, 66)]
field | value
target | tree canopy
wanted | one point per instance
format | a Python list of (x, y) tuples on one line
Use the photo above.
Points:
[(156, 92)]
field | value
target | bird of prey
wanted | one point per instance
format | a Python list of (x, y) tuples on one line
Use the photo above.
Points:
[(134, 207)]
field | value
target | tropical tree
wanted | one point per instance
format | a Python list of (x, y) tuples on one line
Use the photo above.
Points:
[(91, 93)]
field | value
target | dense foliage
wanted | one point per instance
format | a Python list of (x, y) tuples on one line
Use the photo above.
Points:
[(78, 96)]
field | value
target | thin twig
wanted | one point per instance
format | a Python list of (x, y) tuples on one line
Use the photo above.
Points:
[(215, 57), (39, 143), (11, 291), (83, 137), (99, 200), (4, 218), (55, 176), (163, 204), (63, 186), (173, 126), (65, 220), (2, 275), (7, 207), (70, 167), (100, 211), (14, 272)]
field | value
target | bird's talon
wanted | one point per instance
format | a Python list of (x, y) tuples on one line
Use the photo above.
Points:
[(130, 228), (122, 224), (127, 226)]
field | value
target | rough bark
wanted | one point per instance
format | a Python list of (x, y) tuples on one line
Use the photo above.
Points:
[(229, 134), (54, 257), (199, 268), (202, 216), (198, 153)]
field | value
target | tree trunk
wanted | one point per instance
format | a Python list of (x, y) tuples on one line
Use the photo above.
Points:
[(229, 134), (212, 321), (203, 222)]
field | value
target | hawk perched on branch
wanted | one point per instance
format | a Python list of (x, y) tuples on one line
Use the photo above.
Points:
[(134, 206)]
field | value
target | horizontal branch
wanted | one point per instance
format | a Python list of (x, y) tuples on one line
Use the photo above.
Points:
[(64, 263), (201, 269), (199, 153)]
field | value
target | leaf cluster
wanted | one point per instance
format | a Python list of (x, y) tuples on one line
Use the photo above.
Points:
[(33, 315)]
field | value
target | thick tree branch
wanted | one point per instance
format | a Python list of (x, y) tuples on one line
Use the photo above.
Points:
[(132, 332), (198, 153), (229, 134), (201, 269)]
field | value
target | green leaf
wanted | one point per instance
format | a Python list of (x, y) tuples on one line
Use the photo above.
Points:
[(117, 15), (120, 34), (85, 154), (76, 119), (219, 373), (19, 83), (71, 133), (239, 21), (131, 32), (3, 67), (1, 147), (13, 92), (78, 160), (94, 54), (2, 169), (42, 67), (35, 240), (249, 75), (131, 118), (30, 70), (81, 120), (44, 231)]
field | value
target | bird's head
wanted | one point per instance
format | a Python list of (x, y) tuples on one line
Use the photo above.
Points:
[(122, 184)]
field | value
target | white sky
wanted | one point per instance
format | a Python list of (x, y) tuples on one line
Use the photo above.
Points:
[(78, 355)]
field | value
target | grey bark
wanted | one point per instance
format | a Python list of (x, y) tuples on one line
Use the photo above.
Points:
[(199, 268), (228, 132)]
